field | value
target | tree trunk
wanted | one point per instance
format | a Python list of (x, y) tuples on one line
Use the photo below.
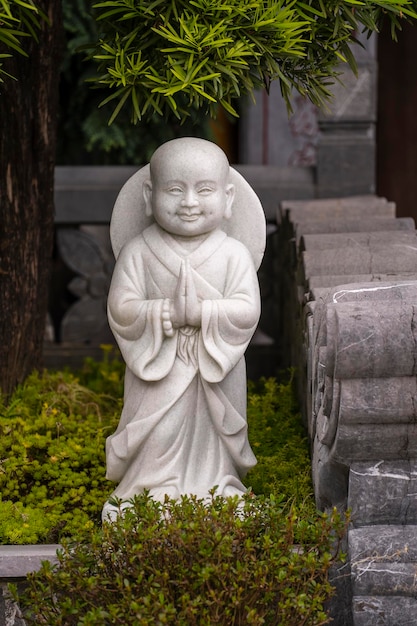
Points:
[(28, 115)]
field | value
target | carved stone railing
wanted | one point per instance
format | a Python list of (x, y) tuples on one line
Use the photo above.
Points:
[(349, 313)]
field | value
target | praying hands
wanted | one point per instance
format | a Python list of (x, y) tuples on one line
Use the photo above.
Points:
[(185, 308)]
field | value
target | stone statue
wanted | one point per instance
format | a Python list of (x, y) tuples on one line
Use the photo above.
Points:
[(183, 305)]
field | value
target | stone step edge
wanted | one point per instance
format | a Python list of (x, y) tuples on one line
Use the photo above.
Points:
[(16, 561)]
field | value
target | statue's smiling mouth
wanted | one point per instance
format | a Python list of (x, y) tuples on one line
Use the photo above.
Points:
[(189, 217)]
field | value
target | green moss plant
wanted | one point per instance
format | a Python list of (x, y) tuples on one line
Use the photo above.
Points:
[(279, 441), (52, 461)]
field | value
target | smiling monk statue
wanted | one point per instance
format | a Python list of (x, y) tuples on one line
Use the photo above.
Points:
[(183, 305)]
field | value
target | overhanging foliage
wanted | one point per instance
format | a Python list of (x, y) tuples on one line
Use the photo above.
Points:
[(18, 19), (169, 57), (178, 56)]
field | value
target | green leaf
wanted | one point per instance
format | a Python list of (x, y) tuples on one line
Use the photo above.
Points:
[(228, 107)]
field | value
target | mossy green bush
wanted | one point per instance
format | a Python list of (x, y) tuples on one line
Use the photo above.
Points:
[(52, 460), (191, 563), (52, 442)]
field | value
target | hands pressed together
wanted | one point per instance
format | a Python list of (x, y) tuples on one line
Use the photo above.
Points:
[(185, 308)]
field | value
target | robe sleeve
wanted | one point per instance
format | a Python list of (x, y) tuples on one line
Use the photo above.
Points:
[(135, 320), (228, 323)]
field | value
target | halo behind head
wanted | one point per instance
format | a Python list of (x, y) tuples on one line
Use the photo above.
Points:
[(247, 223)]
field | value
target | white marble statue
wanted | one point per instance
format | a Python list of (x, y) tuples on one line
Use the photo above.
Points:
[(183, 305)]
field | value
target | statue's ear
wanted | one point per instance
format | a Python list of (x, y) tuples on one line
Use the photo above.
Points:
[(147, 194), (230, 196)]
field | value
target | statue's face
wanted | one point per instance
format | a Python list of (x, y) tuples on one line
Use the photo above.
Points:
[(190, 195)]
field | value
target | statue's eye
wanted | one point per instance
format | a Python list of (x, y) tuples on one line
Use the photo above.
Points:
[(206, 190), (175, 189)]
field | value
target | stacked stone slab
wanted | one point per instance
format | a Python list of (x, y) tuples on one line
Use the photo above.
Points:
[(349, 322)]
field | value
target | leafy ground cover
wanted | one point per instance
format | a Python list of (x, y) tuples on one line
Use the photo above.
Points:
[(52, 462)]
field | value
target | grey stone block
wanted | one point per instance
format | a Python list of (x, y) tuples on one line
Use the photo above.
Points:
[(10, 614), (359, 206), (352, 225), (330, 479), (379, 401), (384, 578), (353, 97), (366, 340), (352, 315), (17, 561), (363, 386), (372, 259), (383, 492), (376, 550), (387, 291), (346, 146), (373, 442), (320, 286), (346, 160), (384, 611), (274, 184), (364, 239), (377, 423), (86, 194)]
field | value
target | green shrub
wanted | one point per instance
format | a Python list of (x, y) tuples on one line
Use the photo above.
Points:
[(191, 562), (161, 57), (52, 449), (52, 458)]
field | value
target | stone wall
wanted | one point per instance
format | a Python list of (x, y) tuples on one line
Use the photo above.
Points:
[(348, 285)]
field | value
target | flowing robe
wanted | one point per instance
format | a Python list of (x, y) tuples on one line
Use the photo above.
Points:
[(183, 427)]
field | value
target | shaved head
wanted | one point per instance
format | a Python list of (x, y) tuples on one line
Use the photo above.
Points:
[(192, 149)]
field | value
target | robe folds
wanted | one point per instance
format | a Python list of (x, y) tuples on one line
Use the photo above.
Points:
[(183, 427)]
